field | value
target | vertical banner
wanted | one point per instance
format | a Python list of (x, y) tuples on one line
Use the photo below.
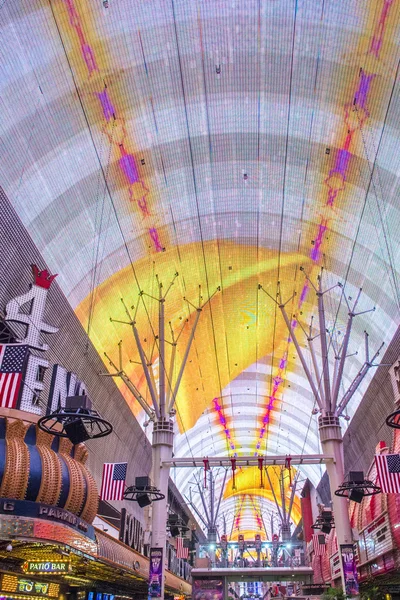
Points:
[(207, 588), (156, 571), (349, 569), (257, 542)]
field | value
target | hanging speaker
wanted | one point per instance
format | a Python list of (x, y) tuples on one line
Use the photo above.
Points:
[(174, 531), (356, 477), (143, 500), (173, 519), (327, 515), (142, 482), (76, 431), (326, 528), (78, 402), (356, 495)]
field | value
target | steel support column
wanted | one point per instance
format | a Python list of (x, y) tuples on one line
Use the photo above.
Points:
[(162, 445)]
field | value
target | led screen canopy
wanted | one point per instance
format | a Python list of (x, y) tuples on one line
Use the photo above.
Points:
[(233, 143)]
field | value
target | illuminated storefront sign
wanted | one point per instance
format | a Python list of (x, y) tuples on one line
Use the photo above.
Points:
[(40, 566), (32, 587), (131, 531), (96, 595), (349, 569), (25, 508), (375, 540), (63, 383), (22, 585), (156, 569)]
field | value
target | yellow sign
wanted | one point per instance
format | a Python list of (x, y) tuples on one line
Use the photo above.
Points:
[(13, 584)]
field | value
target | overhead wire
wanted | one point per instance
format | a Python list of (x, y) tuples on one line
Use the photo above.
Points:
[(101, 169), (95, 259), (207, 112), (196, 192), (370, 182), (283, 198), (375, 167)]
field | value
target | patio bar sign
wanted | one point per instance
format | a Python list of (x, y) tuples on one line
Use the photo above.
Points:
[(41, 566)]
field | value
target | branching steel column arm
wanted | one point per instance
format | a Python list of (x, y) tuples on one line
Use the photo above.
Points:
[(203, 503), (316, 369), (263, 522), (274, 495), (283, 497), (129, 384), (184, 360), (162, 367), (357, 381), (292, 495), (146, 371), (220, 497), (198, 513), (153, 379), (131, 387), (171, 372), (212, 490), (338, 379), (301, 356), (324, 347)]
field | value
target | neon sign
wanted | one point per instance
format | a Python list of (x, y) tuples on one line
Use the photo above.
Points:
[(11, 583), (39, 566)]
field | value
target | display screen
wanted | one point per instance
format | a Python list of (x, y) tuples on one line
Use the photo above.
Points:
[(248, 147)]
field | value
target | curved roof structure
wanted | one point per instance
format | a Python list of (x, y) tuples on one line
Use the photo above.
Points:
[(232, 143)]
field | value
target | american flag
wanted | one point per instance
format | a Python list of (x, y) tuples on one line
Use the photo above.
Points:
[(388, 467), (12, 365), (113, 481), (182, 551), (319, 544)]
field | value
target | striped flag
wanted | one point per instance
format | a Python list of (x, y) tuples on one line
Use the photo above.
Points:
[(12, 365), (113, 481), (182, 551), (388, 467), (319, 544)]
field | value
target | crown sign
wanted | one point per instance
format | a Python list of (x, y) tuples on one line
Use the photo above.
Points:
[(42, 278)]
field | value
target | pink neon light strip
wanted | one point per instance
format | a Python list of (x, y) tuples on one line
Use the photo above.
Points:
[(335, 182)]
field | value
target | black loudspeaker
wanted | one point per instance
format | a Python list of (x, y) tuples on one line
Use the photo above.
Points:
[(326, 528), (143, 500), (142, 482), (327, 515), (356, 477), (76, 431), (174, 531), (356, 495), (173, 519), (78, 402)]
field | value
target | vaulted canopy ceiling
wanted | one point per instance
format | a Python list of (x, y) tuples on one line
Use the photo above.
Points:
[(230, 142)]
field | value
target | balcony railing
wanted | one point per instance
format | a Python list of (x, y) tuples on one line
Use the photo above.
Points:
[(269, 555)]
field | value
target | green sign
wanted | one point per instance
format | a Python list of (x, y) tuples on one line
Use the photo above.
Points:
[(32, 587)]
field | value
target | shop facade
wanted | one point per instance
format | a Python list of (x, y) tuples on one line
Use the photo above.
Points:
[(48, 551)]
